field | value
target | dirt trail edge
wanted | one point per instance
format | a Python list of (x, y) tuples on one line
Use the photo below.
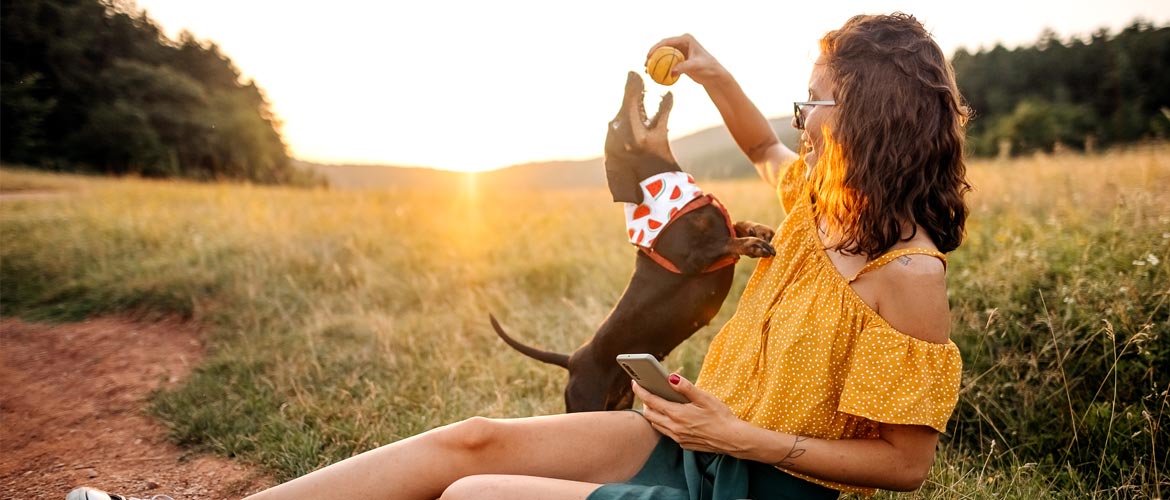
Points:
[(72, 400)]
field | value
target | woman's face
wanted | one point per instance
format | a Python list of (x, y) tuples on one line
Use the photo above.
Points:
[(820, 88)]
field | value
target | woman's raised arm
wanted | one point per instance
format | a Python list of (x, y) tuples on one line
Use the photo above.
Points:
[(750, 129)]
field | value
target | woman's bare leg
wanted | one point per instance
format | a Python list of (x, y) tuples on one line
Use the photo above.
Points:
[(595, 447), (504, 487)]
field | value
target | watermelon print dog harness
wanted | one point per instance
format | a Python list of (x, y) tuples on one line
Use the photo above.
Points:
[(665, 198)]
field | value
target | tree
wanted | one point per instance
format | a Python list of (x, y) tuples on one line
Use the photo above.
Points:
[(94, 85), (1037, 125), (1111, 87)]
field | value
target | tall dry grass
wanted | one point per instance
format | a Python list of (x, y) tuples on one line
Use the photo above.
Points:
[(345, 320)]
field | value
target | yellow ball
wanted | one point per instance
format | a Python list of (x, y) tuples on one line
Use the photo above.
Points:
[(661, 62)]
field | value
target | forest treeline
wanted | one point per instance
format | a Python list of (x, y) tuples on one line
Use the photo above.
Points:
[(1080, 93), (95, 85)]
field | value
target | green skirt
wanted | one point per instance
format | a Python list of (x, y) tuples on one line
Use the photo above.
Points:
[(672, 473)]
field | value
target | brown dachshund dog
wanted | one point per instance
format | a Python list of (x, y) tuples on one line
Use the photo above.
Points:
[(683, 271)]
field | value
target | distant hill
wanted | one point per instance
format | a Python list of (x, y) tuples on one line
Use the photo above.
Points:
[(712, 154), (564, 174), (707, 154)]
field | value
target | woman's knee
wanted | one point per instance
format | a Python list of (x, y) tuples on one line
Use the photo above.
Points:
[(473, 434)]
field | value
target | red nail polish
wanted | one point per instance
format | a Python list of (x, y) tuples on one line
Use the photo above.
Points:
[(674, 378)]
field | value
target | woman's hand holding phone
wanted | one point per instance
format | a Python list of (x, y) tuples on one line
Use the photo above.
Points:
[(649, 373)]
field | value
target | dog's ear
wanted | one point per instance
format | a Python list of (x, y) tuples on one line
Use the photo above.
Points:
[(623, 185)]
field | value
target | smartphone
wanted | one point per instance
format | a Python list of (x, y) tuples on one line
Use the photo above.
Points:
[(645, 369)]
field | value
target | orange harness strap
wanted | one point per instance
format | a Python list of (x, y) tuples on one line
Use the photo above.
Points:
[(894, 254), (707, 199)]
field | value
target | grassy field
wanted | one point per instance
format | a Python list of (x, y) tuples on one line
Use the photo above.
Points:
[(342, 320)]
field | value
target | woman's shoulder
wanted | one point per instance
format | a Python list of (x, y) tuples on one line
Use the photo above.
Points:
[(912, 292)]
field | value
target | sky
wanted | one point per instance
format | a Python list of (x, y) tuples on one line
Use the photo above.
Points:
[(482, 85)]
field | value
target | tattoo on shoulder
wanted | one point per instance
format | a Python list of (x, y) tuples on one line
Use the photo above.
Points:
[(793, 453), (904, 260)]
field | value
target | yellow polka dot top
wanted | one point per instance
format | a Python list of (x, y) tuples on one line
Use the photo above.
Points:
[(804, 355)]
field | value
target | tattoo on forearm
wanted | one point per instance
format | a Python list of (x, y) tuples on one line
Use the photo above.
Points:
[(904, 260), (792, 453)]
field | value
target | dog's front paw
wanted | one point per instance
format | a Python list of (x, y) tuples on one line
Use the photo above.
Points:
[(758, 248), (754, 229), (763, 232)]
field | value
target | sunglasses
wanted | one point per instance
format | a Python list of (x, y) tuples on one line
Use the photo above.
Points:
[(798, 107)]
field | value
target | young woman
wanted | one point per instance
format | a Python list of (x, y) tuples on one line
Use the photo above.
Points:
[(836, 372)]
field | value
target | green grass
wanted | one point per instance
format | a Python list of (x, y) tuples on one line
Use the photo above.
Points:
[(342, 320), (1061, 301)]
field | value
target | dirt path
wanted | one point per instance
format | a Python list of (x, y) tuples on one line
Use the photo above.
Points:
[(71, 413)]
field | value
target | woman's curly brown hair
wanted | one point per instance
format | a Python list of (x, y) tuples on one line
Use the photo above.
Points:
[(894, 155)]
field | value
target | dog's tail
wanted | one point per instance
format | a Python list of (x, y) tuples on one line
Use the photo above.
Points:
[(552, 358)]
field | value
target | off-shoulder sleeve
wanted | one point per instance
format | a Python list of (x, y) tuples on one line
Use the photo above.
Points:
[(792, 184), (897, 379)]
